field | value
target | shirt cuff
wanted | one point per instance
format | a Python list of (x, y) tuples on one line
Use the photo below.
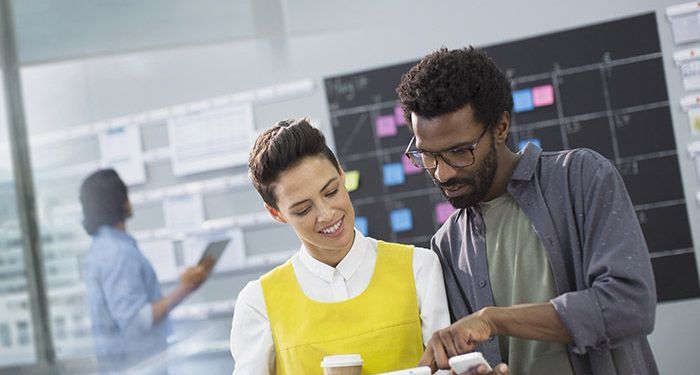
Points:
[(582, 316), (144, 318)]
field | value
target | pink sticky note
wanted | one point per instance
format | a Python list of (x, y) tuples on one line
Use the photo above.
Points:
[(398, 115), (408, 167), (386, 126), (542, 95), (443, 210)]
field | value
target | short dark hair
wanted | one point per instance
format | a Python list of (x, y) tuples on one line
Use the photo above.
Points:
[(103, 196), (447, 80), (283, 147)]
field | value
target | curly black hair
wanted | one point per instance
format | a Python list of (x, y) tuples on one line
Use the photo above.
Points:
[(447, 80)]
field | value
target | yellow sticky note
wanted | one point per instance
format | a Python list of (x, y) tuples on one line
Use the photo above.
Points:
[(352, 180)]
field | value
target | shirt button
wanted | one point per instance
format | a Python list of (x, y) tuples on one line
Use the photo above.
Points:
[(482, 283)]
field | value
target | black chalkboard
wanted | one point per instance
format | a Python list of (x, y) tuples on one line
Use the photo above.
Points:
[(601, 87)]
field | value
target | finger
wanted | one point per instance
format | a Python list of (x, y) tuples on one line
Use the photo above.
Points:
[(448, 342), (477, 370), (439, 352), (428, 359), (501, 369), (208, 263), (464, 344)]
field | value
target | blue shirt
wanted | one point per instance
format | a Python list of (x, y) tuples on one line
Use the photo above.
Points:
[(581, 212), (121, 286)]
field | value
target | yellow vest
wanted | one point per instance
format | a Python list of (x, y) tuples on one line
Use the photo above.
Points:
[(382, 323)]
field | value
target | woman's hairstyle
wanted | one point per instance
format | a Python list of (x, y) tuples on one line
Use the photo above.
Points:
[(103, 196), (283, 147)]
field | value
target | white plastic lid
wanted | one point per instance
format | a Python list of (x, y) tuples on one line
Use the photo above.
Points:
[(342, 360)]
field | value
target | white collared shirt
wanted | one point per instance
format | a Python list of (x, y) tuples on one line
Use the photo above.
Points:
[(251, 338)]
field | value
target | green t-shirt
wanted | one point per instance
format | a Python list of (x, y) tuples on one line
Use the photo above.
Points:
[(520, 272)]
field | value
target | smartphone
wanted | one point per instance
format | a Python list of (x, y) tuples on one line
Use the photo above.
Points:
[(463, 363)]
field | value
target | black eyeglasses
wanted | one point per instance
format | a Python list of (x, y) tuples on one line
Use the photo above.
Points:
[(456, 157)]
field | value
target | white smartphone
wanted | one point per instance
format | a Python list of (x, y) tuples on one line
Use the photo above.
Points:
[(465, 362), (410, 371)]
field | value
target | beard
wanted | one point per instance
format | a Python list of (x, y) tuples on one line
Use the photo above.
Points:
[(480, 182)]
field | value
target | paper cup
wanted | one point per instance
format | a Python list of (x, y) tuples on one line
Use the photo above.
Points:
[(345, 364)]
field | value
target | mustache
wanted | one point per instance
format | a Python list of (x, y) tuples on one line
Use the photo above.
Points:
[(454, 182)]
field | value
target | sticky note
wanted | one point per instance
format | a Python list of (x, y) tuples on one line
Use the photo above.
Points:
[(694, 117), (408, 167), (686, 27), (386, 126), (524, 142), (690, 72), (401, 220), (361, 224), (542, 95), (398, 116), (522, 100), (393, 174), (443, 210), (352, 180)]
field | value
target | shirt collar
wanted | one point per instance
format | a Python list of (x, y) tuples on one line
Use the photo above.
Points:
[(109, 231), (527, 164), (524, 171), (347, 267)]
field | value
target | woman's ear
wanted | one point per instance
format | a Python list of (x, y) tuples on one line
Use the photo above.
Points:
[(276, 214)]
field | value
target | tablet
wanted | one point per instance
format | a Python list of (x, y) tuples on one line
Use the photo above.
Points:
[(214, 250)]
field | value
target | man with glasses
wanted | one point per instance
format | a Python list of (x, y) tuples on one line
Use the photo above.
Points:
[(545, 264)]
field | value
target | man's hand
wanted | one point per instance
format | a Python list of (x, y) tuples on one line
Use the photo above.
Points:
[(193, 277), (501, 369), (459, 338)]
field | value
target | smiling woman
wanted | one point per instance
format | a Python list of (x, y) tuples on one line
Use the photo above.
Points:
[(314, 201), (333, 296)]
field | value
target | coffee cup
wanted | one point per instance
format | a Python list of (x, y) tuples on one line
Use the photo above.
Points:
[(345, 364)]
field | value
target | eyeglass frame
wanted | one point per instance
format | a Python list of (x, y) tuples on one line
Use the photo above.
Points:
[(411, 154)]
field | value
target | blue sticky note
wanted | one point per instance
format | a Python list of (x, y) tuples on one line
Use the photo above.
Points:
[(401, 220), (393, 174), (361, 224), (536, 141), (522, 100)]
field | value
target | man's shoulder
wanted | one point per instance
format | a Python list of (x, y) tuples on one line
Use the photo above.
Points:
[(572, 157), (579, 163), (449, 230)]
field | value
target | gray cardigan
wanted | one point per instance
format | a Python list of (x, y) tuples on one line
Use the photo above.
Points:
[(580, 210)]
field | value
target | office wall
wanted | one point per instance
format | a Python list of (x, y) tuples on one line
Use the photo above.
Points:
[(333, 37)]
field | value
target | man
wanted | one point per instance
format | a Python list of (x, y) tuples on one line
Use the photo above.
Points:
[(545, 264), (128, 313), (342, 293)]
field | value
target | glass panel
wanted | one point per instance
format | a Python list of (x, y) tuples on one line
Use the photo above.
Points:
[(16, 335)]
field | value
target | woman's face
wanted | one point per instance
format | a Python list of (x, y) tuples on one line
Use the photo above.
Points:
[(311, 197)]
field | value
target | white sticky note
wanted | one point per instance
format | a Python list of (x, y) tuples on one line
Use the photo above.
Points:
[(686, 28), (690, 71), (183, 212), (120, 148)]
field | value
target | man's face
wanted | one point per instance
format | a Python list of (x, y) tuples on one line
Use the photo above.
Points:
[(462, 187), (312, 198)]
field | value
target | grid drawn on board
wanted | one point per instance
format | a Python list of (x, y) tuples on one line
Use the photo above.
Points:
[(596, 100)]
